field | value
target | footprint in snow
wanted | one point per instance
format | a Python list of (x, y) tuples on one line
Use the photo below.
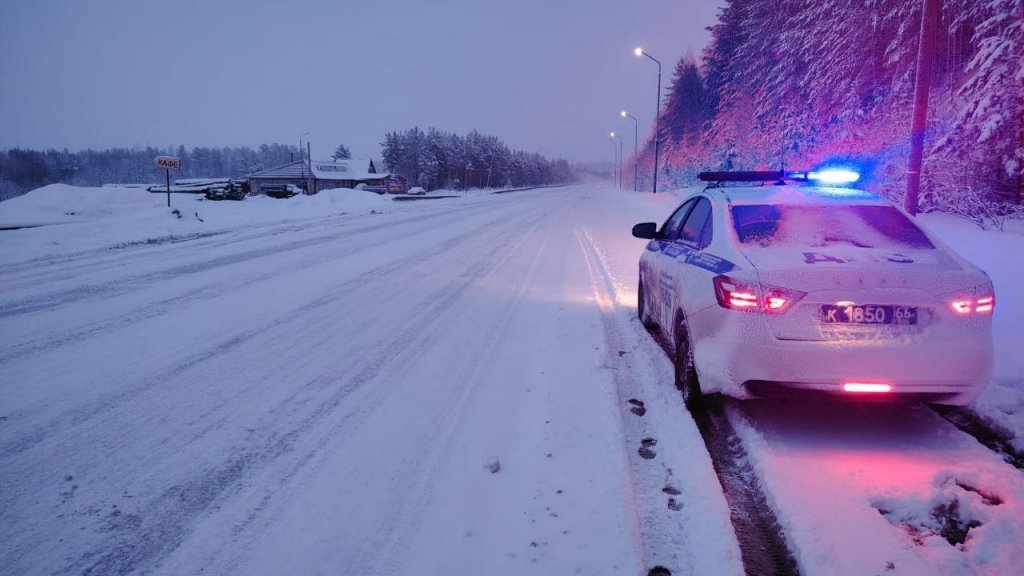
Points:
[(645, 448), (638, 407), (493, 465)]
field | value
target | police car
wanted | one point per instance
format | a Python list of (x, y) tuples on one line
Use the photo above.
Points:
[(787, 284)]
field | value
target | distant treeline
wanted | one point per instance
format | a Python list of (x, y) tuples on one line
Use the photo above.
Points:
[(436, 159), (23, 170), (431, 159)]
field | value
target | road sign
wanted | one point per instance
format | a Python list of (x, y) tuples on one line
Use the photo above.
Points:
[(168, 162), (394, 185)]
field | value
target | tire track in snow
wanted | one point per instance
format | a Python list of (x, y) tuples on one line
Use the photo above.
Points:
[(215, 290), (665, 532), (120, 286), (403, 515), (761, 539), (143, 546), (108, 403), (763, 548), (48, 267), (397, 527), (971, 424)]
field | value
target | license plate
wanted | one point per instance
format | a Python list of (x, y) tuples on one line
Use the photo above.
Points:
[(869, 314)]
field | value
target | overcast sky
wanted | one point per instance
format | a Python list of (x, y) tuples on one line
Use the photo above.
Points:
[(543, 75)]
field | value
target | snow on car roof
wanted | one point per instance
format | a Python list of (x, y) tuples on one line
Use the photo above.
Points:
[(797, 195)]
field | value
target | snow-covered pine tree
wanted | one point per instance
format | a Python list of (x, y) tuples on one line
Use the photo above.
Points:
[(988, 127), (341, 153)]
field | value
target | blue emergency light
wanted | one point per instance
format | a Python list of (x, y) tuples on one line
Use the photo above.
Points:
[(834, 176)]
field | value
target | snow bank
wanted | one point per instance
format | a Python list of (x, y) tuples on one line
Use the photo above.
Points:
[(61, 219), (340, 200), (62, 204), (1001, 256)]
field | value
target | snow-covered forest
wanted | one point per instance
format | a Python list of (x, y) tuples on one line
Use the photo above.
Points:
[(798, 83), (437, 159), (23, 170)]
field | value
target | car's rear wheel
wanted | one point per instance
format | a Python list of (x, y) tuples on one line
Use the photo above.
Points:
[(641, 308), (686, 373)]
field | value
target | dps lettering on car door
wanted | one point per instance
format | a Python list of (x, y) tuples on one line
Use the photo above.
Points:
[(660, 276), (692, 267)]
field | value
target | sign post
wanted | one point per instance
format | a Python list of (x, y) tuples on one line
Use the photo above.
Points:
[(168, 163)]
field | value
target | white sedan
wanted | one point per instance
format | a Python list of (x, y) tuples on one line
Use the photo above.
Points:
[(787, 289)]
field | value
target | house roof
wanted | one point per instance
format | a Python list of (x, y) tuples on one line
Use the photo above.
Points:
[(354, 169)]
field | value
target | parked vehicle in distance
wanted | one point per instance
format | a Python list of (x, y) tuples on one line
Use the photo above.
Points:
[(769, 287), (234, 190), (280, 190), (375, 188), (416, 191)]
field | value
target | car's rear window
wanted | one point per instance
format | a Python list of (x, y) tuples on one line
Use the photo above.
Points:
[(861, 226)]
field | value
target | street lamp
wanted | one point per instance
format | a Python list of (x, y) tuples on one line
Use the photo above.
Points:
[(619, 149), (657, 116), (615, 157), (636, 134), (304, 182)]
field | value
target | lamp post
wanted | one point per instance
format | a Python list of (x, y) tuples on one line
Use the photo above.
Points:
[(619, 147), (636, 135), (615, 157), (303, 163), (657, 116)]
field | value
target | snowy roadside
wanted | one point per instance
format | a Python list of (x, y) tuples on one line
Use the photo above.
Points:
[(60, 220), (1001, 256)]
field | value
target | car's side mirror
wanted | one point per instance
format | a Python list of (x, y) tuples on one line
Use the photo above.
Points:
[(645, 230)]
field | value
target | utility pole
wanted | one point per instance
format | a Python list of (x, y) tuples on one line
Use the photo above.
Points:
[(1020, 142), (925, 54)]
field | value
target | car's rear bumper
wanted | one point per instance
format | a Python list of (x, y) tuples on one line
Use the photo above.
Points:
[(735, 354)]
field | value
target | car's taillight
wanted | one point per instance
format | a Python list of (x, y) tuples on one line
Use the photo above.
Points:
[(965, 305), (985, 305), (868, 387), (754, 296), (962, 306)]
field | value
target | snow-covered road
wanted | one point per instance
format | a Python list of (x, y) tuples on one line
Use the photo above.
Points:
[(452, 387)]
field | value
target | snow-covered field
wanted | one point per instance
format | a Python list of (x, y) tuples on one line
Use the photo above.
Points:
[(343, 384)]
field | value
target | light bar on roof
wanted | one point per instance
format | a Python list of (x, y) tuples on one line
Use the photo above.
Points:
[(755, 176)]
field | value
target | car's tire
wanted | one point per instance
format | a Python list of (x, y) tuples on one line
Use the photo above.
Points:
[(641, 308), (686, 372)]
